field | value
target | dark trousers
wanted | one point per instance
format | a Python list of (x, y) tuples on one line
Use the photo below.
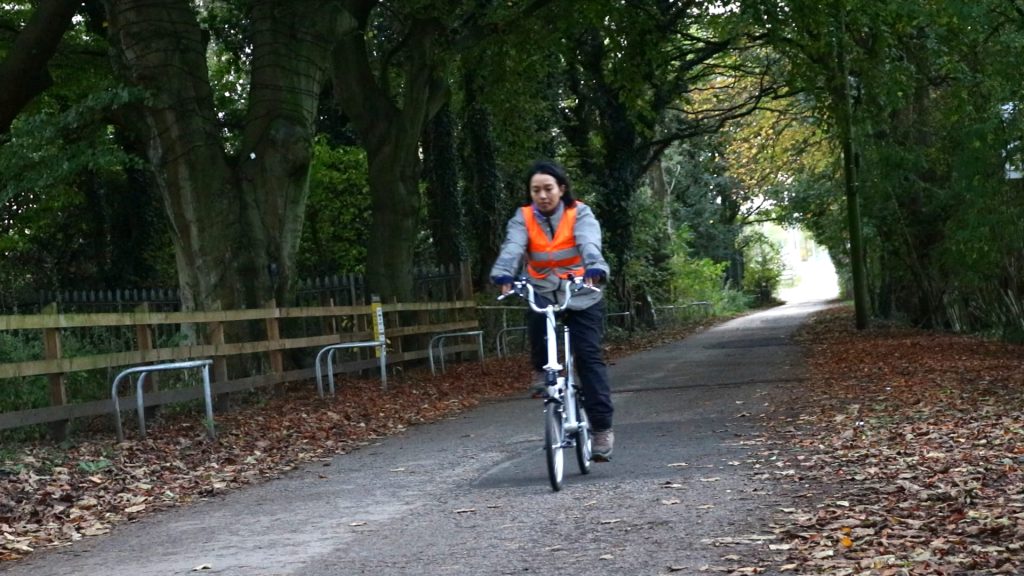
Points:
[(586, 331)]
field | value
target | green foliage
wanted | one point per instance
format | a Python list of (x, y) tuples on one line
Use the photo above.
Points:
[(76, 208), (731, 301), (694, 278), (97, 232), (227, 59), (22, 393), (78, 212), (33, 392), (705, 198), (763, 266), (336, 231), (50, 150), (513, 79), (14, 15), (93, 466), (647, 264)]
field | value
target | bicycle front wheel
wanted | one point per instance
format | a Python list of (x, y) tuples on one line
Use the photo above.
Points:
[(554, 434)]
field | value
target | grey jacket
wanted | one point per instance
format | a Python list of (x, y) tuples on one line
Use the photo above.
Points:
[(511, 258)]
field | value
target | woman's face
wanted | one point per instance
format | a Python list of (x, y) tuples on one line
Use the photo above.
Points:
[(545, 192)]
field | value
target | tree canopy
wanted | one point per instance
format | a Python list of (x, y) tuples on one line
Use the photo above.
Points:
[(233, 146)]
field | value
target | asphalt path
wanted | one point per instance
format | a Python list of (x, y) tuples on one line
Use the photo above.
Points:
[(685, 492)]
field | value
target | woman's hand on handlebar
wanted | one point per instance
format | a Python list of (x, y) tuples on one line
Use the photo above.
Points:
[(593, 277), (504, 283), (511, 286)]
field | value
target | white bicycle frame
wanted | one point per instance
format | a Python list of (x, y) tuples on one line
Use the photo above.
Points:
[(561, 389)]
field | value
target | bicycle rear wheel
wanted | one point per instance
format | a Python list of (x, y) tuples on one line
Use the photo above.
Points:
[(554, 434), (584, 443)]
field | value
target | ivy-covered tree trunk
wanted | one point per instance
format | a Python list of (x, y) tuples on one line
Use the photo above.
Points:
[(236, 216), (444, 196), (618, 187), (486, 213)]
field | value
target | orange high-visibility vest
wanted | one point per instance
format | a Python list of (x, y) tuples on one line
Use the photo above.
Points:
[(558, 255)]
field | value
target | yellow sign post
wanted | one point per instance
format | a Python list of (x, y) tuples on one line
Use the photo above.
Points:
[(378, 321)]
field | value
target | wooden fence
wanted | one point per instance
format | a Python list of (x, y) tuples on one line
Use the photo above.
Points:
[(281, 331)]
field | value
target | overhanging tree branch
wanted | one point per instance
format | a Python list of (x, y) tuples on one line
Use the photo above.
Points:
[(23, 73)]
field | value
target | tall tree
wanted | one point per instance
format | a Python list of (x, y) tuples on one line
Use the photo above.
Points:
[(509, 95), (390, 118), (841, 100), (443, 190), (236, 211), (634, 74), (483, 180), (818, 43), (391, 77)]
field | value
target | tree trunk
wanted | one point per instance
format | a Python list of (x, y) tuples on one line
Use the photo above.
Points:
[(391, 136), (661, 192), (395, 199), (236, 221), (844, 116), (607, 139), (290, 67), (157, 42)]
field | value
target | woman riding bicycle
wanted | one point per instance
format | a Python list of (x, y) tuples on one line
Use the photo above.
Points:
[(558, 236)]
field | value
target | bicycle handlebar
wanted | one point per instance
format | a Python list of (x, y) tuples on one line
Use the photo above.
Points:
[(572, 286)]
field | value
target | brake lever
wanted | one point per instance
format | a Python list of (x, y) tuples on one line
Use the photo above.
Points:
[(517, 290)]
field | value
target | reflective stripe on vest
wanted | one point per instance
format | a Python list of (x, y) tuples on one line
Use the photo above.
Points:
[(558, 255)]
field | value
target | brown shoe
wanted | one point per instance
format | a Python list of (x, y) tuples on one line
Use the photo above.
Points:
[(603, 443)]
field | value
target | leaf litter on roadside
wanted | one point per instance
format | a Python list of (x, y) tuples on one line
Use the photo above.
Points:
[(914, 442)]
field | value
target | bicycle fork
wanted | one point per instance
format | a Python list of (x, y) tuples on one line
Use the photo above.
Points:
[(562, 394)]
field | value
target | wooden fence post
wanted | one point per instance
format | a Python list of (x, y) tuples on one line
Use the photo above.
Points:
[(466, 280), (58, 389), (144, 341), (274, 338), (421, 341), (396, 319), (220, 364)]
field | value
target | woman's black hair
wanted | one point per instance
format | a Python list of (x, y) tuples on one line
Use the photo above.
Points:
[(554, 170)]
